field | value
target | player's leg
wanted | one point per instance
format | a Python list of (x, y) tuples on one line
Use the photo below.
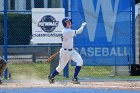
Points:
[(79, 63), (64, 58), (59, 68)]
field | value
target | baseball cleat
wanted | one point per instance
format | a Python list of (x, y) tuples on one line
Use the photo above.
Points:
[(51, 80), (75, 81)]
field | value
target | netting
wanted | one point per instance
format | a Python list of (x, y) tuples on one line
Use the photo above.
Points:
[(26, 61)]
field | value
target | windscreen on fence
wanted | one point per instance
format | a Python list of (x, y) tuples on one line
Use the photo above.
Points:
[(108, 37)]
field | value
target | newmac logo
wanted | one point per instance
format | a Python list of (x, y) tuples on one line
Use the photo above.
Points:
[(109, 14), (48, 23)]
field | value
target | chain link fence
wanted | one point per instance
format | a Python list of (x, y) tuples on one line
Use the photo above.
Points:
[(26, 61)]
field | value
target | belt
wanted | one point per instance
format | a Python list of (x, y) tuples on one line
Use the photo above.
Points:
[(68, 49)]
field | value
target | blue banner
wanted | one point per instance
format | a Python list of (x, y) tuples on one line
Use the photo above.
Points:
[(107, 38)]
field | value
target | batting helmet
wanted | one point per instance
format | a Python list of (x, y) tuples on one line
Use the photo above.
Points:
[(66, 19)]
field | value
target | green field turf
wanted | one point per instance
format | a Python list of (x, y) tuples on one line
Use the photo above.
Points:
[(28, 71)]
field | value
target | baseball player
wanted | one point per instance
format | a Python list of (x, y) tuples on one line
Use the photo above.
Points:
[(67, 51), (3, 64)]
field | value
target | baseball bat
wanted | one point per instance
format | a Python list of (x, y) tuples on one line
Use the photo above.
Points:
[(52, 57)]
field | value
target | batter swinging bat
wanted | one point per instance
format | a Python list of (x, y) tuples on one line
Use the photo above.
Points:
[(52, 57)]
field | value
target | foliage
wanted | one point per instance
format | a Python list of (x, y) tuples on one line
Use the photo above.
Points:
[(19, 28)]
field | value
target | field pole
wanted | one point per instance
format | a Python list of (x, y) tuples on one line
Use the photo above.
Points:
[(66, 69), (5, 36)]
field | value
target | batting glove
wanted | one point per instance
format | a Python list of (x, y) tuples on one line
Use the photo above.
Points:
[(84, 23)]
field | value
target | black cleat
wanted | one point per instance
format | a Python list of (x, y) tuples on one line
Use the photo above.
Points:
[(75, 81), (51, 80)]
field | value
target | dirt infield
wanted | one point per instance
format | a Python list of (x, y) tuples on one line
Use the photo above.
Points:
[(125, 85)]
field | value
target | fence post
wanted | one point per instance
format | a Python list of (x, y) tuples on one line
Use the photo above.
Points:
[(133, 30), (5, 36), (33, 57), (66, 69), (55, 61)]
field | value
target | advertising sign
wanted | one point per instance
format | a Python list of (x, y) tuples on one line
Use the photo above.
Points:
[(46, 25)]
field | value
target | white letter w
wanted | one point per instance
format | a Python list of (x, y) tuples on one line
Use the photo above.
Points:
[(91, 16)]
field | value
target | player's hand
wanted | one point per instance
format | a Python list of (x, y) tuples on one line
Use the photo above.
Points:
[(84, 23)]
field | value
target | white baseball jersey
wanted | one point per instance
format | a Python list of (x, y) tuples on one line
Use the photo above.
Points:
[(66, 54), (67, 39)]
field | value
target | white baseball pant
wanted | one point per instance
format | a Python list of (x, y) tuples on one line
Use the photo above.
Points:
[(66, 56)]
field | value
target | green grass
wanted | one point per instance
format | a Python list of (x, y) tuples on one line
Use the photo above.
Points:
[(35, 71), (29, 70)]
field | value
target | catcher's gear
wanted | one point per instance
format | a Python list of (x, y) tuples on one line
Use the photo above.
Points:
[(3, 64), (52, 57), (66, 19)]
